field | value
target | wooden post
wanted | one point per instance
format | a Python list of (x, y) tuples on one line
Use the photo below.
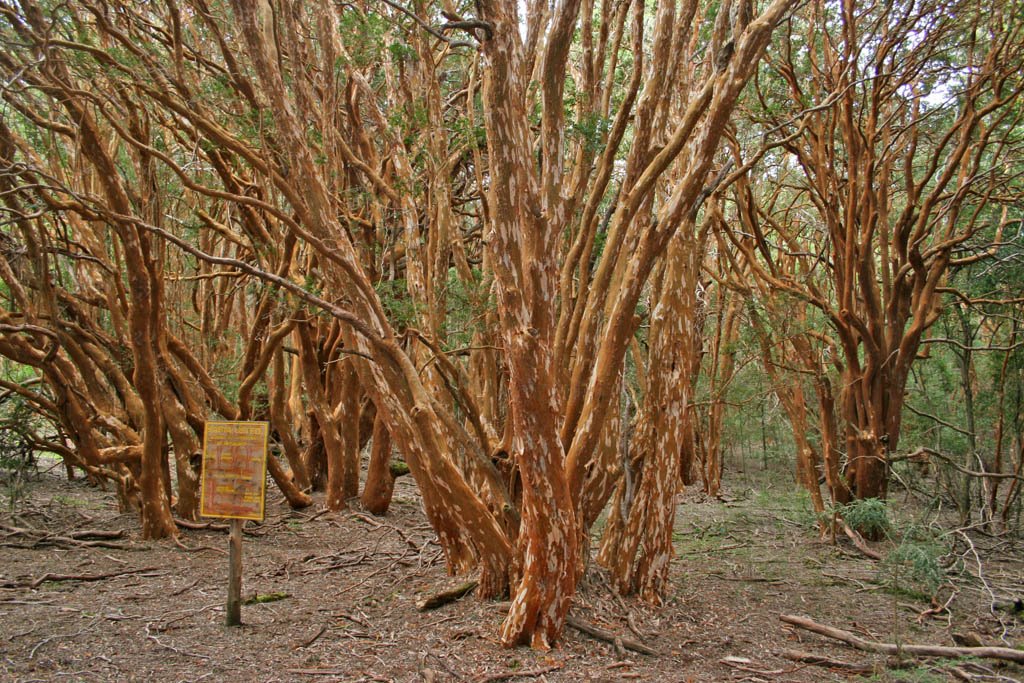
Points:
[(234, 612)]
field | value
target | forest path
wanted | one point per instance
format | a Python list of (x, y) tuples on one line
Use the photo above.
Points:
[(340, 593)]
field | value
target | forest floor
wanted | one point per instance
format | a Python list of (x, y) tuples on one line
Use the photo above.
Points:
[(347, 586)]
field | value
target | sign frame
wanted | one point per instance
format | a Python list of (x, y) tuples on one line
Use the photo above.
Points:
[(241, 443)]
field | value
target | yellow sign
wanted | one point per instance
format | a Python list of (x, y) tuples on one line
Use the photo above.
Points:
[(234, 469)]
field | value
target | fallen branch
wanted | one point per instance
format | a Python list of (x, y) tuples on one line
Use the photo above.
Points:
[(309, 641), (200, 526), (1003, 653), (859, 541), (84, 577), (95, 534), (609, 637), (827, 662), (36, 583), (444, 597), (507, 676), (740, 664), (174, 649), (38, 537), (48, 639)]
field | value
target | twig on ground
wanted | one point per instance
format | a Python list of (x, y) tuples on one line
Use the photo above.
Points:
[(740, 664), (936, 608), (177, 542), (186, 615), (631, 622), (182, 590), (509, 675), (309, 641), (174, 649), (49, 576), (44, 641), (38, 537), (319, 672), (446, 596), (981, 577), (95, 534), (827, 662)]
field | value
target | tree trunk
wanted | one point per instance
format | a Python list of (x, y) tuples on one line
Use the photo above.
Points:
[(638, 549), (283, 427), (380, 481)]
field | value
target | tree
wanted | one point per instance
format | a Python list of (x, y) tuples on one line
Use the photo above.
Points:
[(892, 156), (336, 175)]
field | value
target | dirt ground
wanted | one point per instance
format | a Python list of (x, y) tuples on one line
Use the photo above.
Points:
[(347, 585)]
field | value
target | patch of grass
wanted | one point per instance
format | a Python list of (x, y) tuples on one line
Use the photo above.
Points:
[(261, 598), (701, 538), (790, 503), (919, 674), (935, 671), (912, 568), (71, 501)]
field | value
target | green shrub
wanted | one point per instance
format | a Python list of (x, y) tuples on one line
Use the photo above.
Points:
[(912, 568), (869, 516)]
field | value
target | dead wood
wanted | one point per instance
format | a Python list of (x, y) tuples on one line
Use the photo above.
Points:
[(35, 583), (200, 526), (609, 637), (509, 675), (319, 672), (38, 537), (860, 543), (444, 597), (741, 664), (312, 639), (96, 534), (1003, 653), (827, 662)]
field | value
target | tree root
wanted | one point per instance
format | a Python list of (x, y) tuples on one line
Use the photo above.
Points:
[(444, 597), (609, 637)]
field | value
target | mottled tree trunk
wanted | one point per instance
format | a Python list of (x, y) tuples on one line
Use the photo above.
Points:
[(722, 360), (283, 426), (380, 481), (638, 546)]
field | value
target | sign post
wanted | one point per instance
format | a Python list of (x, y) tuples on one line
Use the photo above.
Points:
[(234, 486)]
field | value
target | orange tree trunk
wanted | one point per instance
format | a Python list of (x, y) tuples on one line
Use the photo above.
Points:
[(143, 320), (380, 481), (638, 549)]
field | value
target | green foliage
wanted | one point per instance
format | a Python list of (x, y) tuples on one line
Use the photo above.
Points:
[(401, 51), (367, 32), (592, 131), (17, 446), (913, 568), (261, 598), (869, 516), (930, 673), (467, 303), (790, 503), (465, 134), (394, 296)]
